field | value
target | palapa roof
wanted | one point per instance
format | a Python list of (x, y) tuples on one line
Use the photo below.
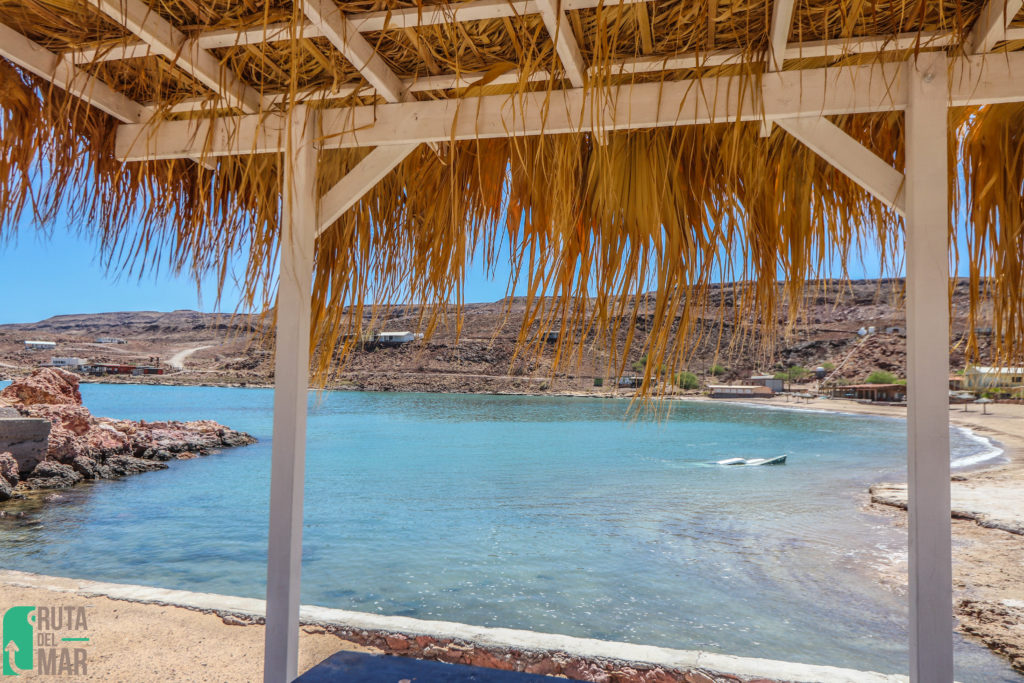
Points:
[(553, 140)]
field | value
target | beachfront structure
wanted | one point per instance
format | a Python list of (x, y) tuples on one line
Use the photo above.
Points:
[(66, 361), (33, 345), (775, 384), (739, 391), (633, 144), (884, 393), (107, 369), (979, 378)]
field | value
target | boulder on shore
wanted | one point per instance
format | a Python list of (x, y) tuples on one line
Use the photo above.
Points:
[(81, 446)]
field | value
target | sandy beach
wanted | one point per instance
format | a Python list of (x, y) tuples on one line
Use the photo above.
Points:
[(149, 642)]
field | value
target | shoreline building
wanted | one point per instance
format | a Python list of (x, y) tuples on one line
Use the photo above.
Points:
[(66, 362), (987, 377), (739, 391), (776, 384)]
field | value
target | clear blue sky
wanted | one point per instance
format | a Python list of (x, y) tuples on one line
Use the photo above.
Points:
[(41, 277)]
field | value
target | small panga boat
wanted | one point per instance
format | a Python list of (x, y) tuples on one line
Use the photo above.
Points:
[(754, 462)]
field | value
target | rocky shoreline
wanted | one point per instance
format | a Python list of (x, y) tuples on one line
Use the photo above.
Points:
[(54, 442)]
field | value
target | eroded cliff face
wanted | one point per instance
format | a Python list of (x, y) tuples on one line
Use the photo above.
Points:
[(81, 446)]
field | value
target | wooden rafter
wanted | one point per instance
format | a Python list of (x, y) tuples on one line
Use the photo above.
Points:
[(990, 27), (722, 99), (335, 26), (365, 22), (187, 55), (360, 180), (782, 19), (819, 48), (865, 168), (568, 49), (65, 75)]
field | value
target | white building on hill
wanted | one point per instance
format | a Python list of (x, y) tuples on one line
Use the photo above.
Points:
[(402, 337), (35, 345)]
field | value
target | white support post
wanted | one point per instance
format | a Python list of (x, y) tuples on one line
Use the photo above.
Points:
[(927, 254), (291, 383)]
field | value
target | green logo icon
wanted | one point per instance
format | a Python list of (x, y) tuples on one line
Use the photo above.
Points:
[(19, 623)]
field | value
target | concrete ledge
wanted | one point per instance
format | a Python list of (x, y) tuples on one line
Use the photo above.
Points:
[(27, 439), (584, 658)]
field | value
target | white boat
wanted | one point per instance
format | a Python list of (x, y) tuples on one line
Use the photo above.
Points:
[(753, 462)]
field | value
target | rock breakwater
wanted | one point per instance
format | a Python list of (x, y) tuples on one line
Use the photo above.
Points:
[(81, 446)]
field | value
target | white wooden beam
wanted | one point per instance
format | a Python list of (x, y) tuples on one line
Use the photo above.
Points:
[(863, 166), (778, 38), (128, 49), (990, 27), (62, 73), (632, 65), (442, 82), (820, 92), (364, 22), (566, 46), (332, 24), (644, 105), (291, 385), (357, 182), (782, 19), (168, 41), (841, 47), (1015, 33), (927, 254), (686, 60)]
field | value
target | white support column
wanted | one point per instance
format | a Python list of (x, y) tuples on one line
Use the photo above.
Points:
[(291, 382), (927, 254)]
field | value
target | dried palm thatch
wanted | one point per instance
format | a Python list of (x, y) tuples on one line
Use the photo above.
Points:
[(589, 221)]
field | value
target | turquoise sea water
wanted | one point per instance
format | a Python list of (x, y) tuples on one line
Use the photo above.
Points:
[(558, 515)]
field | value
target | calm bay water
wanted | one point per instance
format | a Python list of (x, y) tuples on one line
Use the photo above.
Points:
[(557, 515)]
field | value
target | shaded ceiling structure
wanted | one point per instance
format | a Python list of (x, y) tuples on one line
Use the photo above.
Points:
[(355, 151)]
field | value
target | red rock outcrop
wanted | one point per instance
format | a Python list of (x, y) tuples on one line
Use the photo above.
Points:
[(85, 447), (50, 386)]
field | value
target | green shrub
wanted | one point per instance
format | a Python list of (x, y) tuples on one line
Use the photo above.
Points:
[(828, 367), (640, 365), (686, 380), (599, 381), (781, 375), (796, 373), (716, 370), (881, 377)]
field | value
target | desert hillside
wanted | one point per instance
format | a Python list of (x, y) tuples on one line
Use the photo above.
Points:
[(201, 348)]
